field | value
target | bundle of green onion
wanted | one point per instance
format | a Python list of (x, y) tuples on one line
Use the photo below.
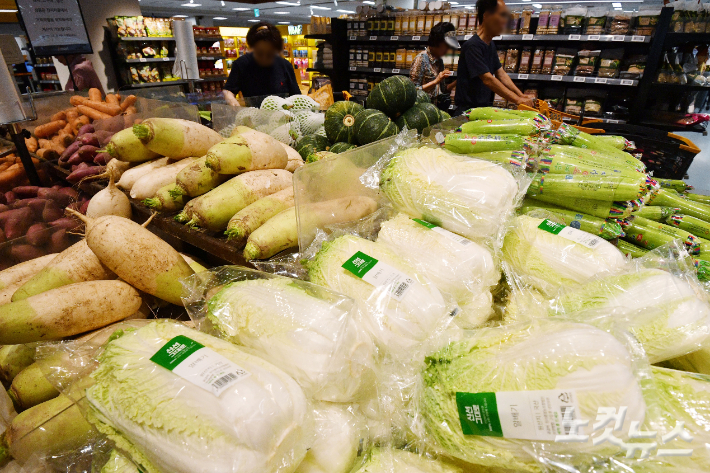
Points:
[(516, 126), (464, 143), (597, 208), (606, 188), (607, 229)]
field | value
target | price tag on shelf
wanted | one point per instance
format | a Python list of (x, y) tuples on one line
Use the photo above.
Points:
[(142, 59), (353, 38), (607, 37), (497, 38), (352, 68), (467, 37), (527, 37), (556, 78), (523, 76), (610, 120), (377, 69), (416, 38), (593, 37), (166, 59), (574, 37), (373, 38), (638, 39), (578, 79), (395, 71), (600, 80), (618, 37), (627, 82), (394, 38)]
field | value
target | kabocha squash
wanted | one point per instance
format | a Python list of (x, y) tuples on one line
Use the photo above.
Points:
[(393, 96), (443, 116), (341, 147), (422, 97), (340, 121), (311, 144), (420, 116), (373, 125)]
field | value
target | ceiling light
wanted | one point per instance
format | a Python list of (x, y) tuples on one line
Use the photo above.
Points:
[(345, 11), (616, 5), (8, 11), (179, 16), (222, 2), (280, 13), (240, 9), (289, 3), (284, 22), (316, 7), (368, 2), (537, 5), (220, 18), (253, 21), (191, 5)]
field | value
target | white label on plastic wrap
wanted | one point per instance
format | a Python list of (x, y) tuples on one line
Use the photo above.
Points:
[(379, 274), (526, 415), (572, 234), (575, 37), (593, 37), (627, 82), (556, 78), (439, 137), (199, 365), (416, 38), (578, 79), (527, 37), (600, 80), (449, 235), (523, 76)]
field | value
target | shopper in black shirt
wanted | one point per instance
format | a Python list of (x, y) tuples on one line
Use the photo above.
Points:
[(480, 74), (262, 71)]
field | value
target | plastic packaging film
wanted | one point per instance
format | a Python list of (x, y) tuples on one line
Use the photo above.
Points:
[(516, 126), (505, 157), (569, 135), (389, 460), (560, 159), (605, 228), (465, 143), (547, 255), (494, 113), (308, 331), (597, 208), (608, 188)]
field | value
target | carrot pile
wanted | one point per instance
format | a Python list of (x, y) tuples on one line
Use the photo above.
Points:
[(52, 138), (12, 173)]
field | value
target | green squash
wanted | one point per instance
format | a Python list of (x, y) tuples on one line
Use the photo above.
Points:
[(373, 125), (311, 144), (420, 116), (444, 116), (341, 147), (422, 97), (393, 96), (340, 120)]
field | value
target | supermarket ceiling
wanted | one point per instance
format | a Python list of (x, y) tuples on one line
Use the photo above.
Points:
[(231, 13)]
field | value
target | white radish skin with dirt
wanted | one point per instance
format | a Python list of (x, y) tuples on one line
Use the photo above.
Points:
[(17, 275), (130, 177), (109, 201), (253, 216), (175, 138), (137, 256), (148, 185), (75, 264), (115, 169), (66, 311), (295, 160), (246, 150)]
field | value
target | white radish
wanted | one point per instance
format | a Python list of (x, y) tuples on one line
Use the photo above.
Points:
[(132, 175), (116, 168), (176, 138), (295, 160), (109, 201), (148, 185), (17, 275)]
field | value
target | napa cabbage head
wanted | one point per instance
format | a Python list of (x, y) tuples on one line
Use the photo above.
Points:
[(340, 432), (543, 354), (458, 266), (119, 463), (259, 424), (665, 313), (307, 331), (398, 326), (468, 196), (389, 460), (547, 261)]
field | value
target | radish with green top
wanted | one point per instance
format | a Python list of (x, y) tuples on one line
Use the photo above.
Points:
[(197, 179), (214, 209), (109, 201), (67, 310), (17, 275), (149, 184), (137, 256), (176, 138), (169, 198), (75, 264), (248, 150), (115, 169), (125, 146), (132, 175), (255, 215)]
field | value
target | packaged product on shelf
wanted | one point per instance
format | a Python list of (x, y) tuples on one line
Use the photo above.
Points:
[(514, 22), (553, 24), (677, 19), (548, 61), (525, 20), (499, 101), (619, 23), (472, 22), (135, 77), (511, 59), (525, 57), (543, 19), (463, 22), (596, 20), (531, 92), (694, 18), (563, 61), (610, 62), (593, 107), (573, 105), (501, 55), (536, 63), (707, 18), (635, 69), (646, 20), (587, 62), (573, 19)]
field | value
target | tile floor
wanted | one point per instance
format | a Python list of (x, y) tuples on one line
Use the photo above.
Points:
[(699, 172)]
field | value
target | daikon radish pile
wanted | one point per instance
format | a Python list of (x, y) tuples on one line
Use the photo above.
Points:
[(17, 275), (132, 175), (109, 201), (125, 146), (148, 185), (255, 215), (246, 151), (168, 198), (295, 160), (176, 138), (197, 179)]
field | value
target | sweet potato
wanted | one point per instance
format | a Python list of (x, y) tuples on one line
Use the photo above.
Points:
[(81, 121), (37, 206), (71, 149), (2, 236), (17, 225), (89, 139), (83, 173), (38, 234), (48, 129), (60, 198), (51, 212), (58, 242), (68, 223), (104, 136), (86, 129), (10, 197), (70, 192), (22, 253), (24, 192)]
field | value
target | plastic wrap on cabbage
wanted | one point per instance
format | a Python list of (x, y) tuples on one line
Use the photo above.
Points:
[(340, 433), (119, 463), (696, 362), (223, 409), (456, 265), (561, 365), (605, 228), (548, 255), (560, 159), (507, 157), (389, 460), (467, 196), (400, 307), (513, 126), (668, 316), (466, 143), (308, 331), (597, 208)]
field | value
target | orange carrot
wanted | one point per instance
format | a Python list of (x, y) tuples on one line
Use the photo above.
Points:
[(48, 129), (93, 113), (59, 116), (48, 154), (131, 110), (81, 121), (31, 144), (128, 102), (102, 107), (15, 171), (95, 95), (112, 99)]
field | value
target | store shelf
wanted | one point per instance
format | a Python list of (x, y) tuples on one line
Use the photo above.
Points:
[(210, 58), (155, 84), (146, 38), (318, 36), (673, 39), (322, 71), (382, 70), (213, 78), (574, 79), (388, 39), (149, 59), (513, 37), (49, 82), (43, 65), (682, 87), (208, 38)]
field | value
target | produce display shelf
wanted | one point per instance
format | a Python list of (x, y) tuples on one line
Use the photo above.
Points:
[(210, 58), (146, 38), (673, 39), (155, 84), (49, 82), (575, 79), (150, 59), (382, 70), (209, 38), (213, 78)]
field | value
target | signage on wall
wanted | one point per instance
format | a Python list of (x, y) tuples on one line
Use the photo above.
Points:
[(55, 27), (295, 29)]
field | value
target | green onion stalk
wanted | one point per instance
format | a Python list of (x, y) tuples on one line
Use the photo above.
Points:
[(605, 228), (463, 143), (665, 198), (606, 188), (705, 199), (559, 159), (690, 224), (569, 135), (618, 142), (629, 249), (657, 214), (494, 113), (597, 208), (675, 184), (691, 242), (518, 126), (515, 158)]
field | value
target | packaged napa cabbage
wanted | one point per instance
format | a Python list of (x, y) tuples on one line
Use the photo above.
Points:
[(573, 369), (605, 228), (400, 306), (389, 460), (667, 314), (507, 157), (309, 332), (467, 196), (341, 431), (695, 362), (177, 400), (547, 255), (514, 126), (458, 266), (466, 143), (119, 463)]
